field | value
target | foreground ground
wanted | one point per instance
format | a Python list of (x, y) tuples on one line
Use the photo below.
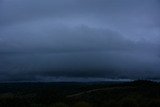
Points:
[(97, 94)]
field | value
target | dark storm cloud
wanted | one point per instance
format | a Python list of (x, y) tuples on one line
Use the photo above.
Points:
[(48, 40), (65, 40)]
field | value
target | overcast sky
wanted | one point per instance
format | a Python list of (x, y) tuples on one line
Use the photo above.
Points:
[(50, 40)]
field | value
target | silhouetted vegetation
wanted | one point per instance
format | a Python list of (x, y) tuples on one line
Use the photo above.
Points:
[(139, 93)]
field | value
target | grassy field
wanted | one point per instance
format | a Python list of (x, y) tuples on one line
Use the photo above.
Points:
[(74, 94)]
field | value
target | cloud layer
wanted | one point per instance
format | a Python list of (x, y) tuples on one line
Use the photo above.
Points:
[(48, 40)]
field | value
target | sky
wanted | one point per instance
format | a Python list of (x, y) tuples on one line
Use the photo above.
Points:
[(79, 40)]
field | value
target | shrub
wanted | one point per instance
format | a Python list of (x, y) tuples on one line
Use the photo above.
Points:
[(37, 105), (126, 102), (82, 104), (110, 103), (58, 105), (154, 103)]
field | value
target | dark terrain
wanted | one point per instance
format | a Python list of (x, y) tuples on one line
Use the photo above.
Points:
[(75, 94)]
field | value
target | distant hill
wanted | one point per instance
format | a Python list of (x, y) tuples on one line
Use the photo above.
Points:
[(139, 93)]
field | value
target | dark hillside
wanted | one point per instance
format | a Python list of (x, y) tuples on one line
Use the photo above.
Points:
[(139, 93)]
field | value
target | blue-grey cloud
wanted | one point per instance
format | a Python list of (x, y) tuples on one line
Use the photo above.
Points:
[(40, 40)]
